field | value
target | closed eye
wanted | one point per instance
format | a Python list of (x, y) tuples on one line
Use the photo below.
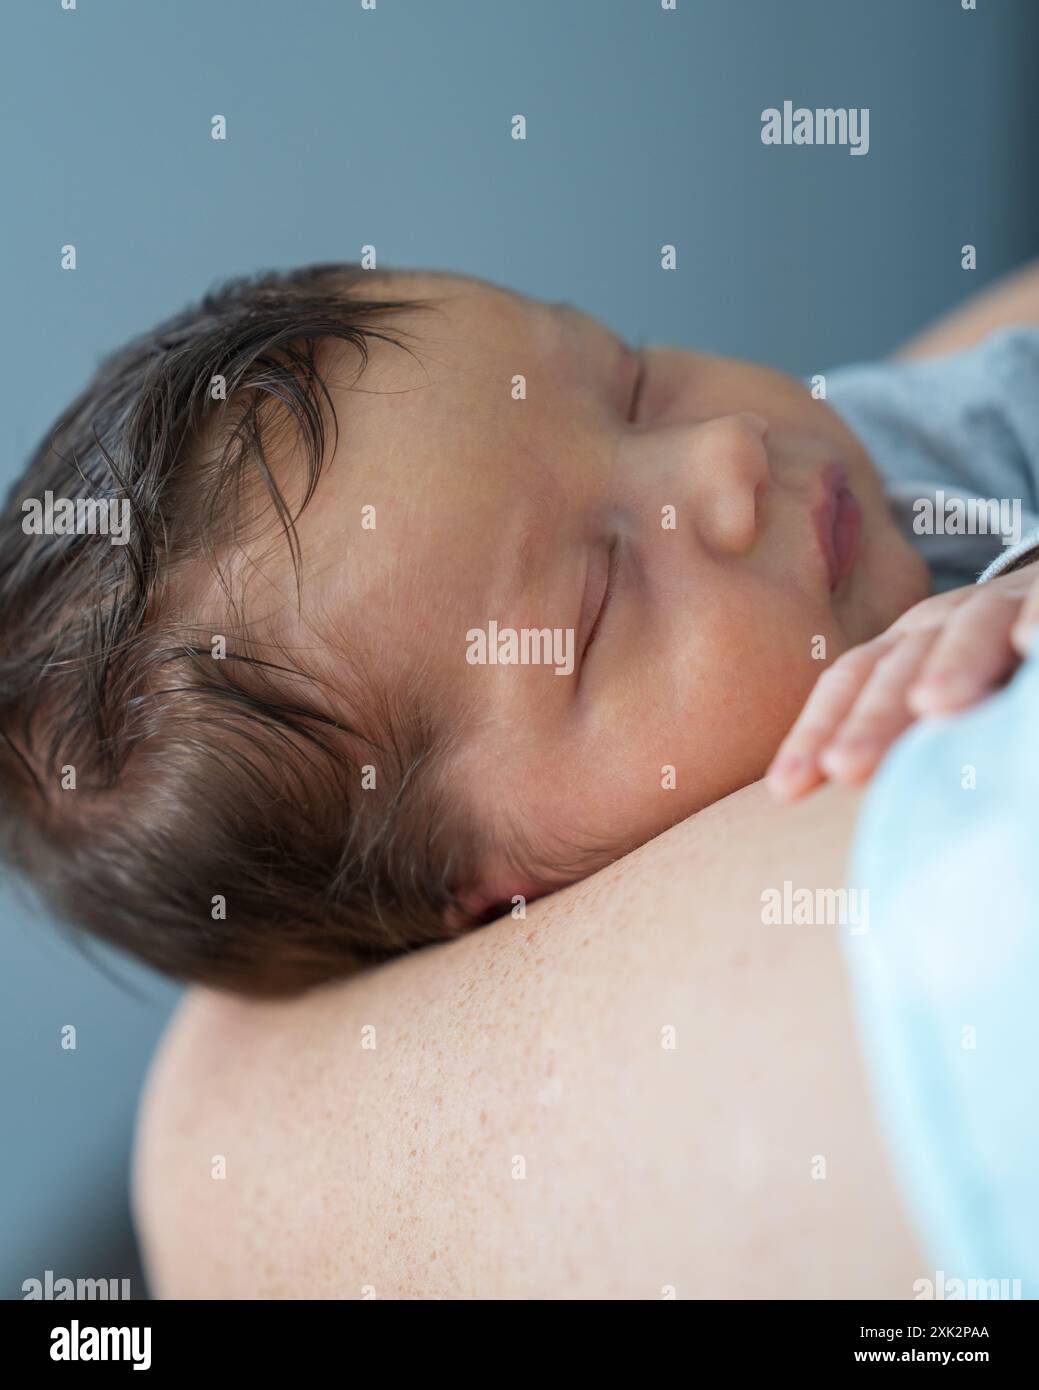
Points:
[(633, 409), (604, 603)]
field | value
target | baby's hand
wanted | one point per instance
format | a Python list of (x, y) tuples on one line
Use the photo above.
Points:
[(941, 656)]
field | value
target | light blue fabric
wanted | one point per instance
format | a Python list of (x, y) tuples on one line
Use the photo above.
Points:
[(965, 425), (946, 979), (948, 848)]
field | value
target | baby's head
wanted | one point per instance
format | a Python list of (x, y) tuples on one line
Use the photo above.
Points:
[(431, 595)]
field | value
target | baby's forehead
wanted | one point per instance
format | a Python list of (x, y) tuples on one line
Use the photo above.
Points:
[(430, 472), (362, 609), (458, 324), (322, 645)]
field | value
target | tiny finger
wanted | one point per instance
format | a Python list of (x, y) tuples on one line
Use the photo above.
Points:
[(795, 768), (880, 714), (1024, 630), (973, 653)]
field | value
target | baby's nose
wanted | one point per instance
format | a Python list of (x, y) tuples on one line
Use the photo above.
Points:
[(729, 466)]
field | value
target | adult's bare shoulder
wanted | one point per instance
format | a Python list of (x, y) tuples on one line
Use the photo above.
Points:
[(1012, 299), (628, 1091)]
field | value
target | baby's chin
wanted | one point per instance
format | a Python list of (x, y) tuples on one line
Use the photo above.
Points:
[(895, 580)]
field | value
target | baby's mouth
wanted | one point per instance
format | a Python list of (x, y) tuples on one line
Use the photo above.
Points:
[(837, 517)]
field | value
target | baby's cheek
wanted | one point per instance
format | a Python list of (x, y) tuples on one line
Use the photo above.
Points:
[(768, 649), (761, 680), (814, 645), (707, 721)]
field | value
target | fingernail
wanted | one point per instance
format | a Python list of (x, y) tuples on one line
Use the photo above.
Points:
[(941, 687), (785, 771), (942, 679), (787, 762), (847, 750)]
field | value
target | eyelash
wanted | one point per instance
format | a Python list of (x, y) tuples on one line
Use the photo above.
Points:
[(637, 392), (610, 570)]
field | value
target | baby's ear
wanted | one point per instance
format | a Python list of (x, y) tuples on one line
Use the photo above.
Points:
[(489, 897), (476, 905)]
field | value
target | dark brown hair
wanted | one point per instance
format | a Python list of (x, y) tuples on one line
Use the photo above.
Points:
[(206, 814)]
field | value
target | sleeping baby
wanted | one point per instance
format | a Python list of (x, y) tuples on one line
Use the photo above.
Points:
[(432, 598)]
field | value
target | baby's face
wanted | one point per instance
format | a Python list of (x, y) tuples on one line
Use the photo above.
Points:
[(699, 533)]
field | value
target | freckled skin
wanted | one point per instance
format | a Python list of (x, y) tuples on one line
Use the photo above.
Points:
[(641, 1133), (644, 1167), (703, 656)]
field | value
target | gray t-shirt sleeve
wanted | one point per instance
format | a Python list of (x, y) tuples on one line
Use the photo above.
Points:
[(962, 426)]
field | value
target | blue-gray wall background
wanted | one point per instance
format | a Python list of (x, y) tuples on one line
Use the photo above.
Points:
[(392, 127)]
